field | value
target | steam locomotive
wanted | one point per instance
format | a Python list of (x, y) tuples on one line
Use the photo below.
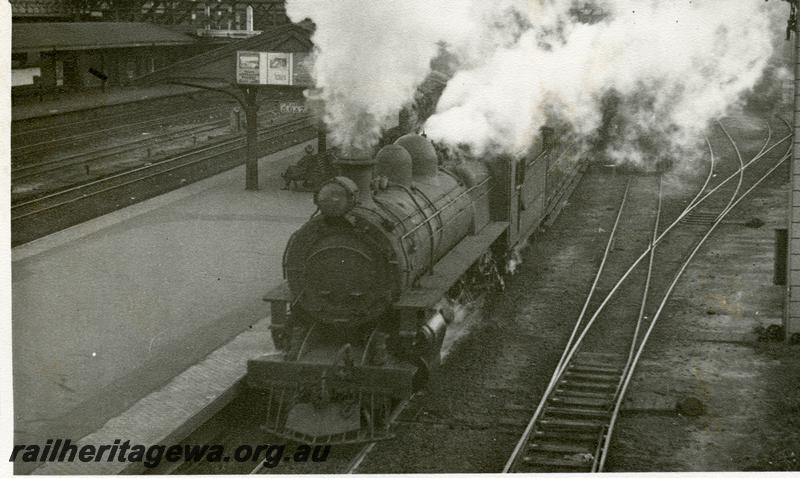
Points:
[(362, 313)]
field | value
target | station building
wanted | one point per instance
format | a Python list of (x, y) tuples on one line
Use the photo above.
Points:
[(67, 56), (62, 46)]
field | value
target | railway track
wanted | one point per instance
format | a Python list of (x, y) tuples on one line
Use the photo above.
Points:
[(572, 427), (61, 121), (590, 371), (48, 213), (38, 168), (22, 152), (27, 163), (68, 123)]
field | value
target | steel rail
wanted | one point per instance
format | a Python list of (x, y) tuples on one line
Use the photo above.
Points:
[(41, 167), (111, 151), (769, 137), (134, 112), (619, 394), (741, 164), (640, 317), (23, 149), (232, 142), (570, 351), (570, 348), (41, 129), (658, 240), (646, 290), (38, 130), (709, 175), (516, 453), (367, 448), (667, 295)]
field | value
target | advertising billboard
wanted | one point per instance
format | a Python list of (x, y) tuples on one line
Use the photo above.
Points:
[(272, 68)]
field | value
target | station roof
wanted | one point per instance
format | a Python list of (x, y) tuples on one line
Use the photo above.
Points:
[(65, 36)]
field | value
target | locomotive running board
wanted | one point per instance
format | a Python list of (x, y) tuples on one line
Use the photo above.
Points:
[(450, 268), (278, 293)]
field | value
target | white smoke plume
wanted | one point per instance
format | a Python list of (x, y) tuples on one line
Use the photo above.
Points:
[(670, 66), (371, 55)]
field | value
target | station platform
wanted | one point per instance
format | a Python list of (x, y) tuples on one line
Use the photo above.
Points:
[(51, 104), (109, 310)]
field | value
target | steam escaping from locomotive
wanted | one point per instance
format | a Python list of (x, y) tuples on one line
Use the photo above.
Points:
[(372, 55), (646, 77), (664, 68)]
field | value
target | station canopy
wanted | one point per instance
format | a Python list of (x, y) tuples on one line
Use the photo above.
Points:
[(68, 36)]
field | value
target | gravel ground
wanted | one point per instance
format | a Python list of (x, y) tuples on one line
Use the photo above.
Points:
[(705, 348)]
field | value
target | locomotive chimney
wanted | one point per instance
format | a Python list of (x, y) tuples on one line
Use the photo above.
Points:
[(548, 138), (358, 167), (404, 121)]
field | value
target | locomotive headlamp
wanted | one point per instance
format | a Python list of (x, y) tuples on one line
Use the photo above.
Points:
[(336, 197)]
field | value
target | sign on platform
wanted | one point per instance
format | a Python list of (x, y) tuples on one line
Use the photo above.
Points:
[(248, 67), (292, 107), (272, 68)]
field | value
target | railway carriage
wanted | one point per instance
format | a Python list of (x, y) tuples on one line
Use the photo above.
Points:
[(361, 315)]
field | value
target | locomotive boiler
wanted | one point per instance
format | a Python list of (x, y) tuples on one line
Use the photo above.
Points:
[(361, 316)]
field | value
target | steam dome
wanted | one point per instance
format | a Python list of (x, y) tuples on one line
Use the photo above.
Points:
[(423, 156)]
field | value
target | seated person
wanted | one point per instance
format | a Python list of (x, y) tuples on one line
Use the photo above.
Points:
[(300, 171)]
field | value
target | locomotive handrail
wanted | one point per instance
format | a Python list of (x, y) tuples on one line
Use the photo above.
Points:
[(440, 229), (439, 211), (402, 223), (415, 213), (422, 212), (461, 211)]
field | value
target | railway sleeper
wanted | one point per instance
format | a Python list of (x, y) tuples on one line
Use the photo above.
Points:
[(557, 464), (600, 356), (588, 386), (576, 412), (572, 424), (599, 369), (564, 447), (566, 436), (698, 223), (598, 403), (615, 365), (591, 377), (562, 392)]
